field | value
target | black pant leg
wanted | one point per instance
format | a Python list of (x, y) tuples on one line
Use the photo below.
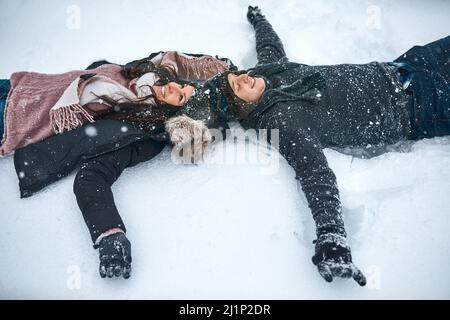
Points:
[(433, 57), (430, 88)]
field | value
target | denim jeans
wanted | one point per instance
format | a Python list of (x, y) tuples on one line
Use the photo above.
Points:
[(428, 68), (4, 90)]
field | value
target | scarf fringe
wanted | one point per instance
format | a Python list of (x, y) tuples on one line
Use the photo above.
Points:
[(68, 117)]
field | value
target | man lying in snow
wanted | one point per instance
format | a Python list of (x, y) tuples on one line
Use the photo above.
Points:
[(347, 105)]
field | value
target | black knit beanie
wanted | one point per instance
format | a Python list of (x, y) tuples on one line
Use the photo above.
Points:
[(238, 107), (217, 96)]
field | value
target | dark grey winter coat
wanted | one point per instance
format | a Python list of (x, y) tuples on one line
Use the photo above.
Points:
[(315, 107)]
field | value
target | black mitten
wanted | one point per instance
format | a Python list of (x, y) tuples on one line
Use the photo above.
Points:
[(115, 256), (333, 258), (254, 14)]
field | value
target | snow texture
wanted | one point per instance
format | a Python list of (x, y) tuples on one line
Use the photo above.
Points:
[(219, 230)]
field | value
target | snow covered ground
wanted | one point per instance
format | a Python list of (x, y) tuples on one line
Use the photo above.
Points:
[(228, 231)]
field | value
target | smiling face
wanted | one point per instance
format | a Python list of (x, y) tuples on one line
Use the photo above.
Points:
[(247, 88), (173, 93)]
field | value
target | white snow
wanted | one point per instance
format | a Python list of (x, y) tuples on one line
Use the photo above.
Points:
[(220, 230)]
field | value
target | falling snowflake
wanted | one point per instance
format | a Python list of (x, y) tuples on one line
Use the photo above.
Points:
[(90, 131)]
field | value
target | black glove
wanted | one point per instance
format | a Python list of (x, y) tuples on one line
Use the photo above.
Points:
[(333, 258), (115, 256), (254, 14)]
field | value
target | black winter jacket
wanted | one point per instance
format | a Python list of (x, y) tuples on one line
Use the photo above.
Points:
[(316, 107)]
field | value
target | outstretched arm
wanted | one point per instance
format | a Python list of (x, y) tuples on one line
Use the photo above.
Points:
[(269, 47), (92, 188), (332, 252)]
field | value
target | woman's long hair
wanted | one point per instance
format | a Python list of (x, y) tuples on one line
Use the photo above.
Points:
[(144, 115)]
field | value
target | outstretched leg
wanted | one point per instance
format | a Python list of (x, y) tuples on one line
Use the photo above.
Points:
[(434, 57), (429, 89), (4, 90)]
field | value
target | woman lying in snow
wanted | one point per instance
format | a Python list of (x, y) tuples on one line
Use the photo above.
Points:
[(315, 107), (144, 93), (45, 113)]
